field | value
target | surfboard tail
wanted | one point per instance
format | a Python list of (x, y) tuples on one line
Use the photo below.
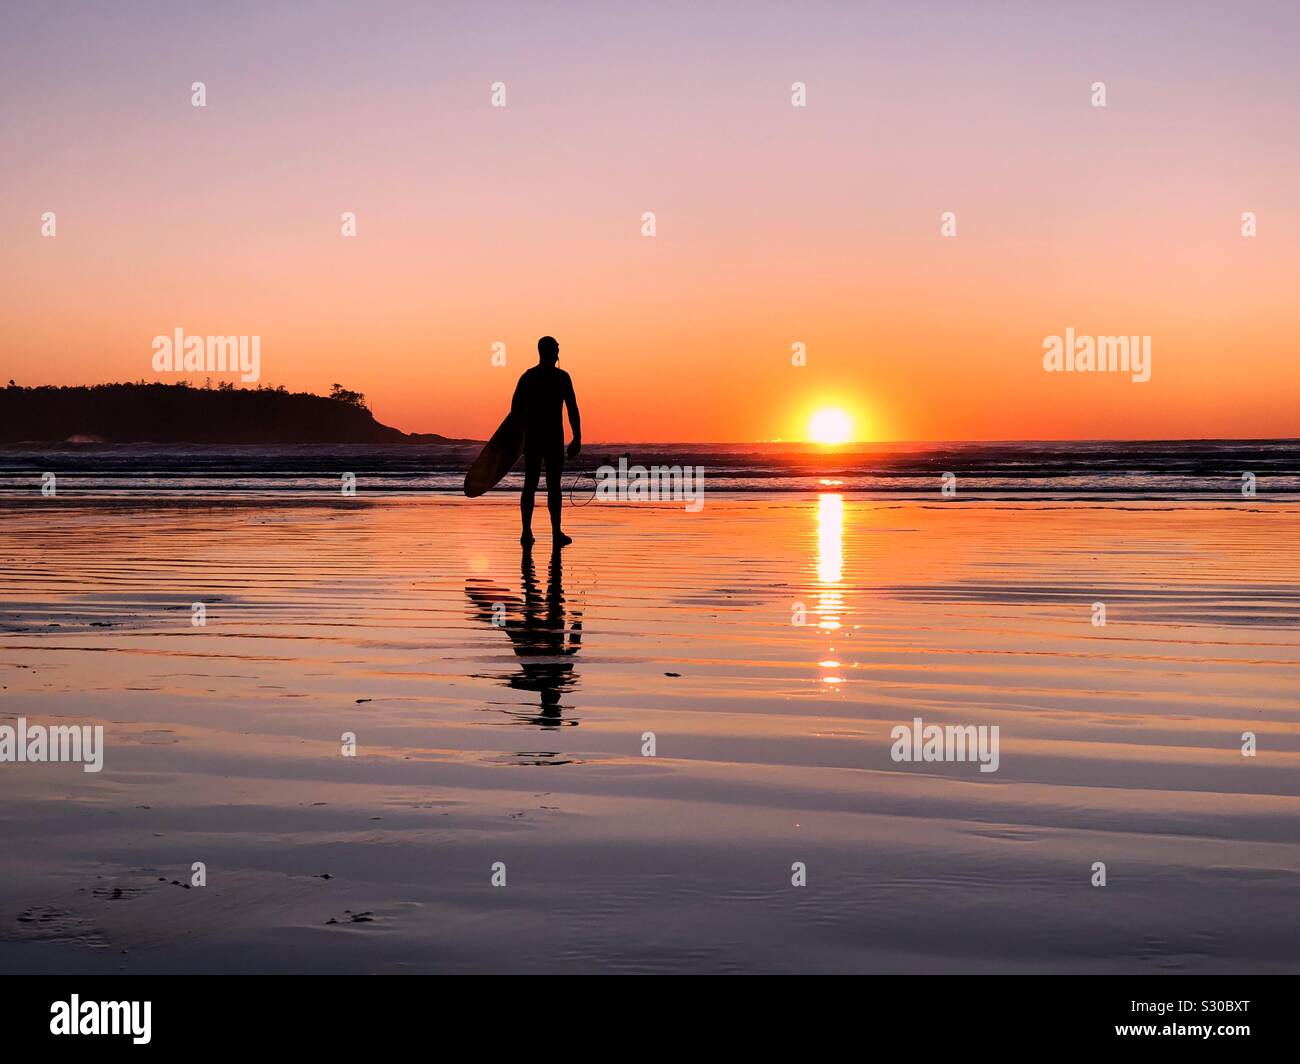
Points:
[(498, 455)]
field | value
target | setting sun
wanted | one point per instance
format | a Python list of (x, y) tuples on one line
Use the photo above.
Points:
[(830, 425)]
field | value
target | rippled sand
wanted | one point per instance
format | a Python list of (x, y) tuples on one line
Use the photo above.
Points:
[(500, 712)]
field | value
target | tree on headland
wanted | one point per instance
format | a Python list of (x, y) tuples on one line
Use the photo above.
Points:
[(343, 395)]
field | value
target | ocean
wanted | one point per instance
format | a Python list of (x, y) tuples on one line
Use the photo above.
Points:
[(1051, 469)]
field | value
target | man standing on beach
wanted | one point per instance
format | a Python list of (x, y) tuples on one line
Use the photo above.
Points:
[(540, 393)]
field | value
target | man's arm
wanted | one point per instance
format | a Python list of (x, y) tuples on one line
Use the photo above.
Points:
[(575, 420)]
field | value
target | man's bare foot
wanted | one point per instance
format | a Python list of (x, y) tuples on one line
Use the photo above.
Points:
[(560, 539), (527, 540)]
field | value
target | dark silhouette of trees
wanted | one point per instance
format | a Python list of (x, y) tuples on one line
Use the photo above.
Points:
[(181, 413)]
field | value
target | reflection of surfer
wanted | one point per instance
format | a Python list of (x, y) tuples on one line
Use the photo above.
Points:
[(545, 633), (539, 395)]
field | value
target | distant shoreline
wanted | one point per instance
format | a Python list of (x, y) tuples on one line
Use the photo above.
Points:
[(163, 414)]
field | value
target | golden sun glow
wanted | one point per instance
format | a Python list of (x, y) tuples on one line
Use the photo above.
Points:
[(830, 425)]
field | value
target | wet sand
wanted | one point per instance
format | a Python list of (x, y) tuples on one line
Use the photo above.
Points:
[(500, 712)]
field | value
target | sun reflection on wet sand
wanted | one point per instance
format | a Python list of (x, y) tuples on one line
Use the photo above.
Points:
[(830, 571)]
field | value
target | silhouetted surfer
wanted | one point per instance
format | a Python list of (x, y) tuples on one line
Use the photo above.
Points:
[(540, 393)]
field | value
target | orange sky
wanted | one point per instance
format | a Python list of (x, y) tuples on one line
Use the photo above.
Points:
[(776, 224)]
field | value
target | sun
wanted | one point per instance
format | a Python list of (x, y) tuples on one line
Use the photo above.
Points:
[(830, 424)]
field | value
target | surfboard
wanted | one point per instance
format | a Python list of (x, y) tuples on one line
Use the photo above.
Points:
[(494, 461)]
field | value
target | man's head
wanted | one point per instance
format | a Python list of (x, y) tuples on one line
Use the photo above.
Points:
[(548, 351)]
